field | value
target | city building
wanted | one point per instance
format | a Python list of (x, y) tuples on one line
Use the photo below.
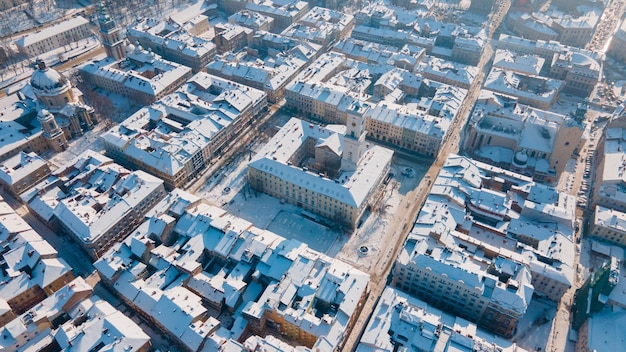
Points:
[(536, 91), (617, 46), (459, 284), (177, 137), (232, 37), (527, 64), (485, 241), (321, 26), (264, 66), (194, 18), (408, 57), (330, 171), (252, 20), (284, 13), (264, 283), (420, 126), (31, 268), (95, 201), (555, 25), (401, 321), (56, 36), (609, 225), (141, 76), (609, 184), (526, 26), (20, 172), (397, 27), (450, 73), (580, 72), (542, 48), (72, 318), (172, 42), (602, 331), (20, 130), (399, 106), (521, 138)]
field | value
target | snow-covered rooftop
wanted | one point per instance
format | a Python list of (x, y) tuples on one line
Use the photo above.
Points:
[(350, 187)]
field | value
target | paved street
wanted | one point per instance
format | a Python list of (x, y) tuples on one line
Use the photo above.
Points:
[(401, 228)]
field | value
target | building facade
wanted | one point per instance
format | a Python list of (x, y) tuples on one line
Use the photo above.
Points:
[(203, 119), (142, 76), (61, 34), (172, 42), (345, 179), (22, 171)]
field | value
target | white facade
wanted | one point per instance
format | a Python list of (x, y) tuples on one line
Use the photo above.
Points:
[(178, 136), (61, 34), (342, 198)]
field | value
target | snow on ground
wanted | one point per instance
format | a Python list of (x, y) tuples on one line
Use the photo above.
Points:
[(90, 140), (9, 76), (228, 189), (22, 18), (533, 329), (376, 222)]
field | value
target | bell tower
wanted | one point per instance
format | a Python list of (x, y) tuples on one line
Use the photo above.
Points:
[(354, 139), (111, 35), (51, 131)]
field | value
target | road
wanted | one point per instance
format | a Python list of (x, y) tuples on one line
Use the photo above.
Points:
[(606, 26), (410, 205)]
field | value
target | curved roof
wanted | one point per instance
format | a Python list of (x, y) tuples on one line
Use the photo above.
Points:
[(47, 79), (584, 60)]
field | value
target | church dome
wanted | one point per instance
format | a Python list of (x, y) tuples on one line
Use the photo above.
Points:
[(48, 80)]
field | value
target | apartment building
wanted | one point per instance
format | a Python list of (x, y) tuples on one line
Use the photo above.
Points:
[(31, 268), (542, 48), (95, 201), (580, 72), (402, 321), (460, 285), (73, 318), (252, 20), (265, 282), (555, 25), (528, 64), (344, 179), (609, 225), (172, 42), (321, 26), (20, 172), (56, 36), (527, 140), (399, 107), (232, 37), (536, 91), (142, 76), (284, 13), (408, 57), (485, 241), (451, 73), (178, 136), (265, 67), (609, 190)]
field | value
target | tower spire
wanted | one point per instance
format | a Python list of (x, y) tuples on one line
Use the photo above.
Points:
[(111, 35)]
